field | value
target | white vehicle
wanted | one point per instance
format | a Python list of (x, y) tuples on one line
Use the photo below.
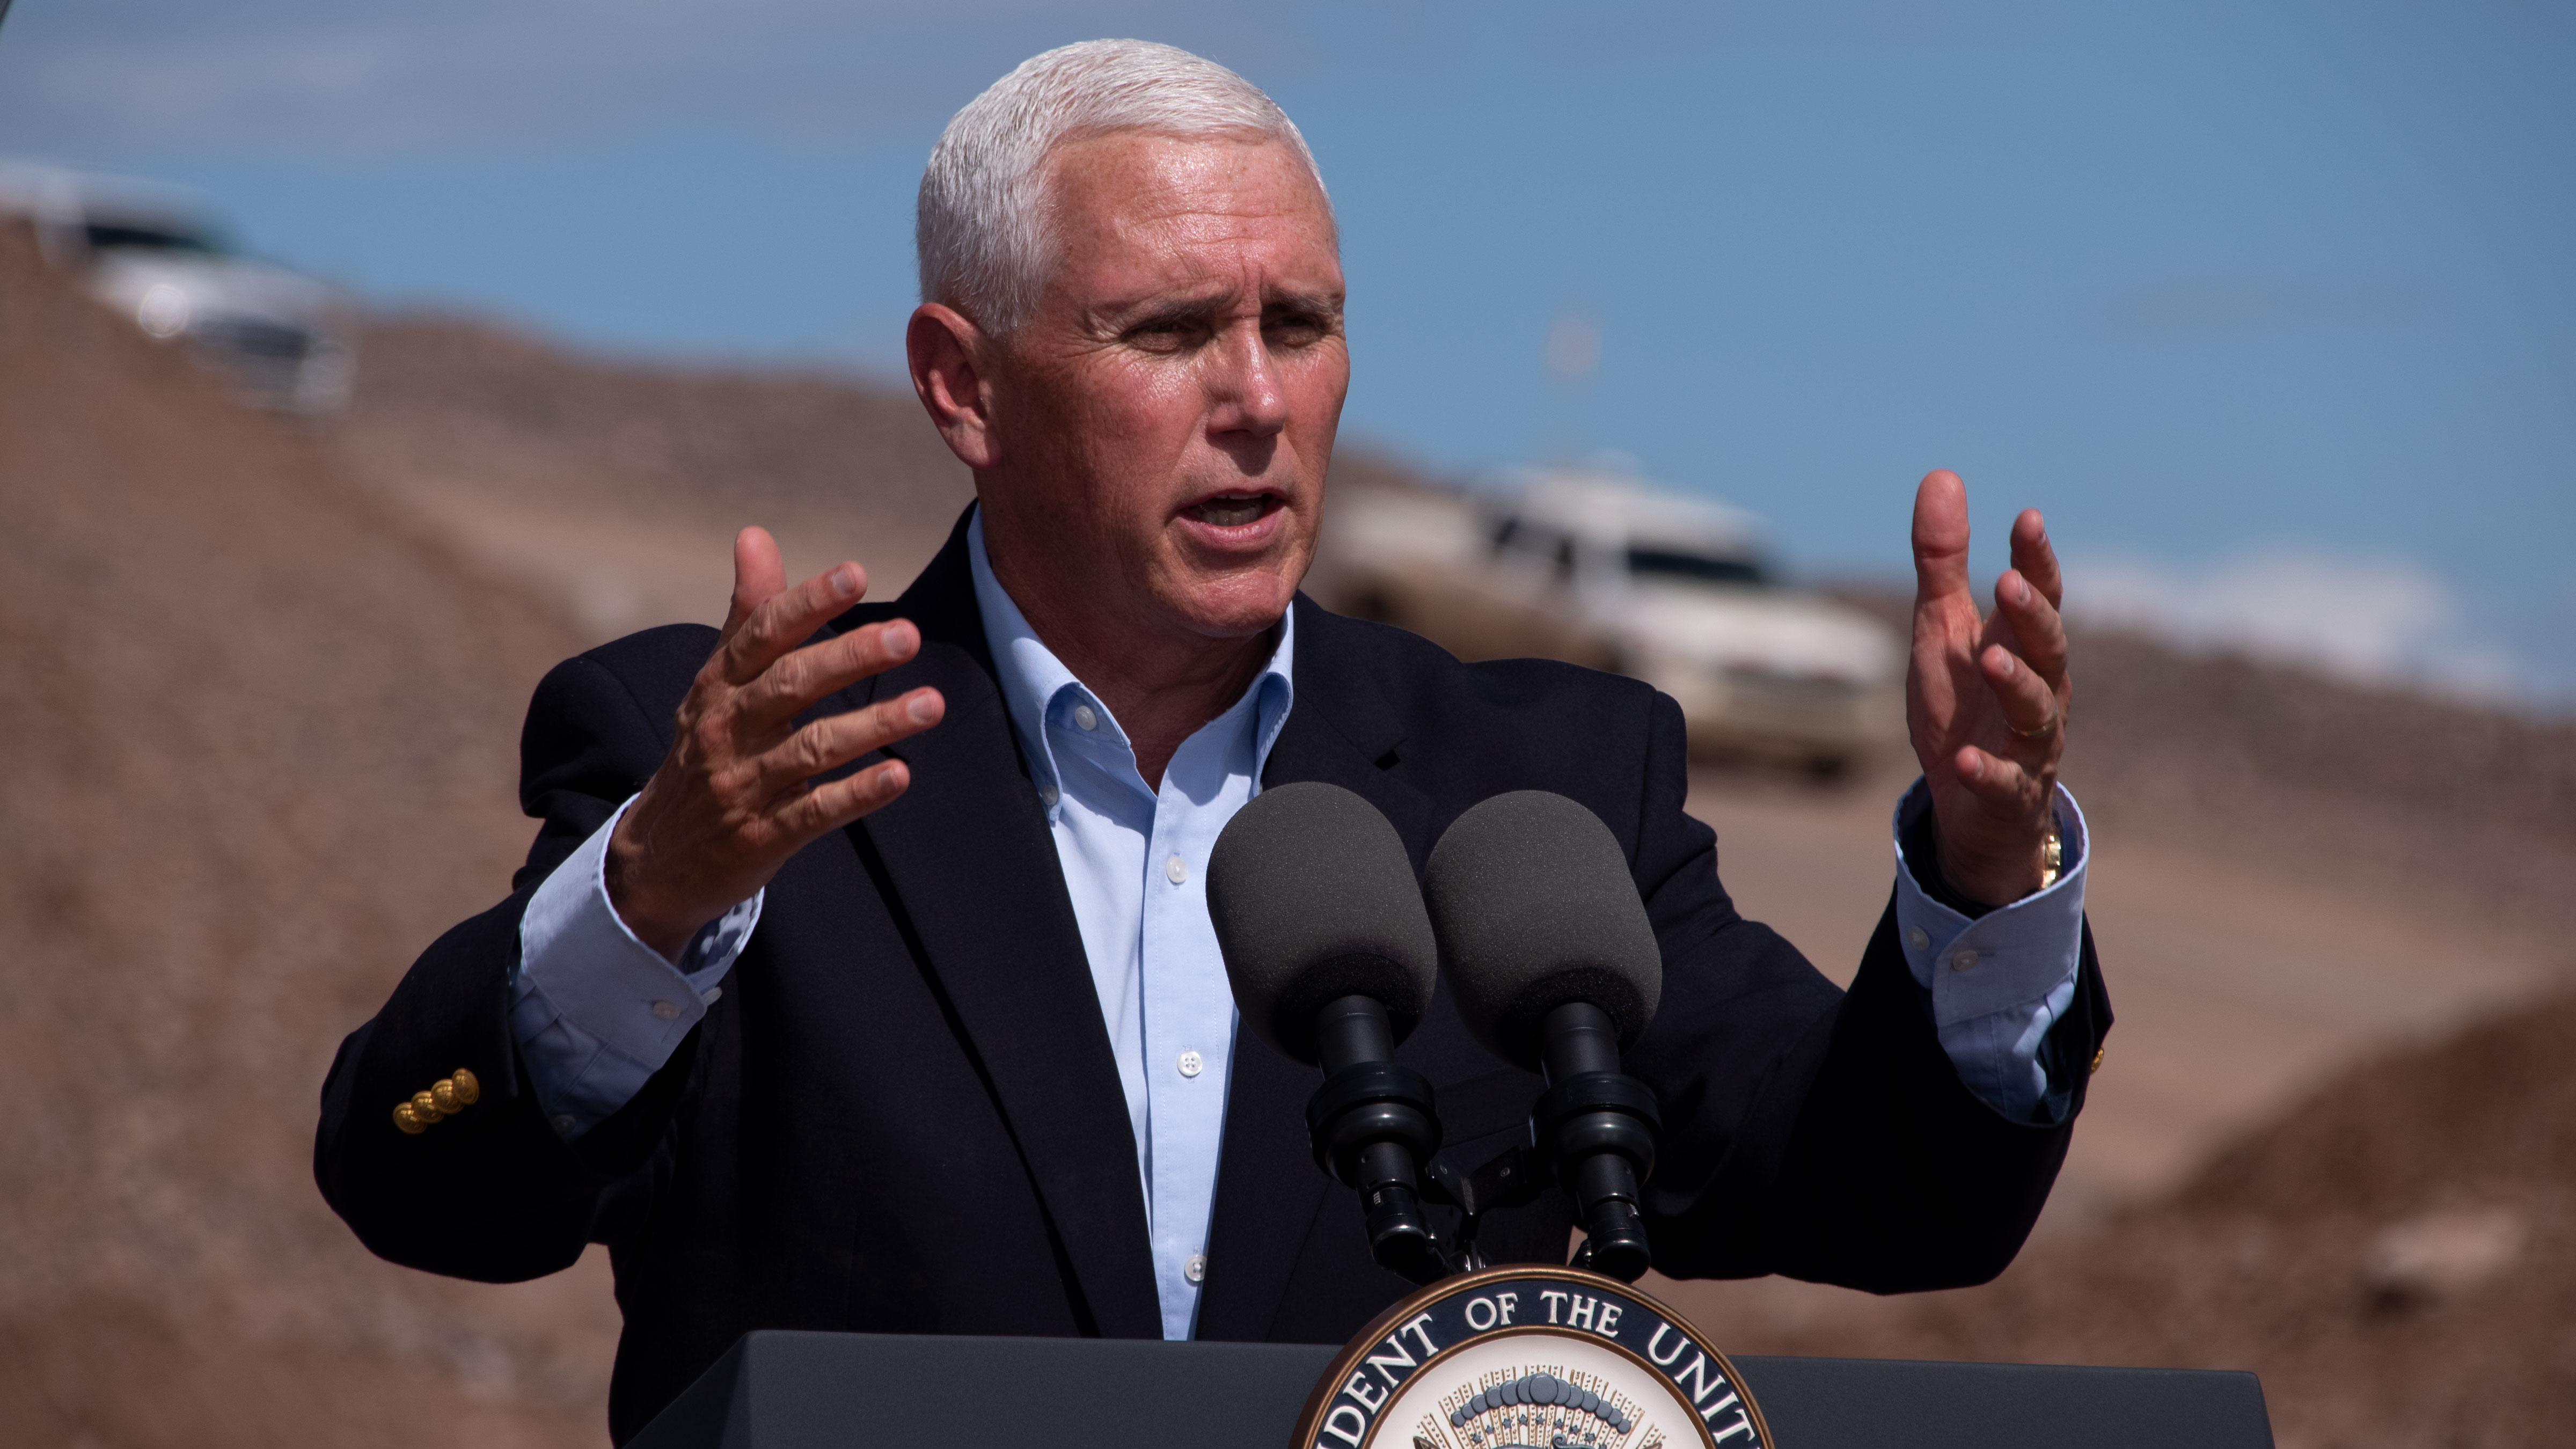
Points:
[(155, 254), (1601, 569)]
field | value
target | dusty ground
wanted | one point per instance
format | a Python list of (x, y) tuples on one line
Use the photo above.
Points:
[(2295, 877), (2237, 987), (2396, 1256), (616, 488), (260, 747), (261, 685)]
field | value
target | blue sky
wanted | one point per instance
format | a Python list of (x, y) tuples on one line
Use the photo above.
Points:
[(2270, 307)]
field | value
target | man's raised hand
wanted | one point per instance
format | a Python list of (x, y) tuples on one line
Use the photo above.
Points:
[(733, 798), (1986, 697)]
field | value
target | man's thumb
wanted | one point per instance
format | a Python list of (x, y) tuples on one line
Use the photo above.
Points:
[(758, 574), (1940, 535)]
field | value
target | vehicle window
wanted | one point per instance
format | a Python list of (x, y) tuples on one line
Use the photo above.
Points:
[(105, 235), (1674, 564), (1513, 535)]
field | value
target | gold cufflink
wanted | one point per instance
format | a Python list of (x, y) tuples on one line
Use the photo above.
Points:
[(2097, 1060), (444, 1099)]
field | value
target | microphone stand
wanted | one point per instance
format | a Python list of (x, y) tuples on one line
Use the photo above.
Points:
[(1594, 1131), (1512, 1179), (1371, 1124)]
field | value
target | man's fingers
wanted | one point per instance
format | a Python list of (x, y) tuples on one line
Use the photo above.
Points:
[(788, 687), (828, 807), (2029, 704), (784, 620), (2035, 558), (1940, 536), (1993, 779), (2036, 627), (758, 573), (828, 744)]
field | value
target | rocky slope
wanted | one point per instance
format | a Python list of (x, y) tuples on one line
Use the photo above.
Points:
[(2396, 1257), (259, 731), (259, 683)]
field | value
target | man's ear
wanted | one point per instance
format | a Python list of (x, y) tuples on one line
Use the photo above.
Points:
[(943, 348)]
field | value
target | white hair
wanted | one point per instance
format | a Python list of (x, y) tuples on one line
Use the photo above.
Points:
[(981, 228)]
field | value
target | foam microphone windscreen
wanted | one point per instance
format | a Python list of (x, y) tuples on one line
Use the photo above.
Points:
[(1534, 907), (1314, 899)]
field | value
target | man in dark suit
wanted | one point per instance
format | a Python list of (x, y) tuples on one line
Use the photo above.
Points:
[(859, 978)]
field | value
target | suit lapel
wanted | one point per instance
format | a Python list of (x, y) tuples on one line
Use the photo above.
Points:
[(970, 857), (1268, 1187), (1343, 730)]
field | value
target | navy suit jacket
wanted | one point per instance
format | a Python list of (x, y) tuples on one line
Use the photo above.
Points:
[(903, 1115)]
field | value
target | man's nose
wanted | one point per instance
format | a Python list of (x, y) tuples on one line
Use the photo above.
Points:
[(1248, 392)]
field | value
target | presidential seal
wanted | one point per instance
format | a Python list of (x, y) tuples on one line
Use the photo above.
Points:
[(1531, 1357)]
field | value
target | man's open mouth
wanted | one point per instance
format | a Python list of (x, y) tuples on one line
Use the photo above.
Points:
[(1232, 510)]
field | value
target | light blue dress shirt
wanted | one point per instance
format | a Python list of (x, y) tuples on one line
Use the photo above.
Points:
[(1999, 982), (596, 1012), (1135, 864)]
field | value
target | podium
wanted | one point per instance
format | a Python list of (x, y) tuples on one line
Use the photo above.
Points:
[(785, 1390)]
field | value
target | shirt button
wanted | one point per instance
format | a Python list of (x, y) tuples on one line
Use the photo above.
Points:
[(1192, 1064), (1962, 960), (1048, 795), (1919, 938), (1176, 870), (1085, 717), (667, 1010), (1196, 1268), (709, 995), (564, 1123)]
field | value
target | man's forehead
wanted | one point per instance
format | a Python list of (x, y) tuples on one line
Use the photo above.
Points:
[(1163, 189)]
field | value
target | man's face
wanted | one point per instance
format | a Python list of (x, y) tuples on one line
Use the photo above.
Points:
[(1167, 413)]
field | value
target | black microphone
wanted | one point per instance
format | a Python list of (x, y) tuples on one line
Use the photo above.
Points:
[(1333, 962), (1555, 968)]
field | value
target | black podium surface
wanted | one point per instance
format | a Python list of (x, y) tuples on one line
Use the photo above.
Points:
[(778, 1390)]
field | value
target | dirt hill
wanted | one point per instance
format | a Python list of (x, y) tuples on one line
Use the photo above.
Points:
[(616, 484), (626, 479), (2396, 1258), (261, 683), (632, 476), (260, 732), (2463, 811)]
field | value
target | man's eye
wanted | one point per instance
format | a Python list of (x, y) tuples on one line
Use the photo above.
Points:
[(1295, 330), (1166, 334)]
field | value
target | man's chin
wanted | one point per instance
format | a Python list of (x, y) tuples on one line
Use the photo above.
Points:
[(1235, 604)]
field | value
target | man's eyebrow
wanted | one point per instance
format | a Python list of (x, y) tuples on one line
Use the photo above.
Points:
[(1327, 303), (1165, 308), (1133, 313)]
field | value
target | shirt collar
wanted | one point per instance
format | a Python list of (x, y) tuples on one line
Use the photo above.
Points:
[(1035, 682)]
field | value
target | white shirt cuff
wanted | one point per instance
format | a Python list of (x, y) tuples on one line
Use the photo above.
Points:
[(1999, 982), (596, 1011)]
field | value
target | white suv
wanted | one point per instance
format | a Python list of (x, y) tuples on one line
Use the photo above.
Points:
[(1602, 569), (154, 253)]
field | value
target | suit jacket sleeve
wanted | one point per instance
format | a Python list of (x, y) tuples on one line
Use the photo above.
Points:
[(1810, 1132), (493, 1193)]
